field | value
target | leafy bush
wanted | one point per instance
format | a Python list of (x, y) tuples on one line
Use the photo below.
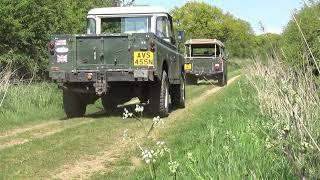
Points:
[(26, 27), (201, 20), (295, 50), (267, 44)]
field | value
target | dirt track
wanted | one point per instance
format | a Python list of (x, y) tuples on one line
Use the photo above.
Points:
[(90, 165), (108, 155)]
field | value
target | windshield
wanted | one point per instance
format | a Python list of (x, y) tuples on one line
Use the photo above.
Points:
[(126, 25), (91, 26), (204, 51)]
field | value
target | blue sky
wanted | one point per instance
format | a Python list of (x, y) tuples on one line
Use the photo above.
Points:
[(274, 14)]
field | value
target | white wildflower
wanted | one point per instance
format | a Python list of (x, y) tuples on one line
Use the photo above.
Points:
[(139, 109), (173, 166), (228, 133), (157, 120), (190, 156), (233, 138), (226, 148), (161, 149), (268, 144), (125, 135), (125, 114), (148, 156)]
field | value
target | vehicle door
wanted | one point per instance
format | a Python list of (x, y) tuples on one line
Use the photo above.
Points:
[(168, 50)]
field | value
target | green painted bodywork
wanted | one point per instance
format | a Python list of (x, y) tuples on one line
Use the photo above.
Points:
[(115, 52), (205, 65), (208, 63)]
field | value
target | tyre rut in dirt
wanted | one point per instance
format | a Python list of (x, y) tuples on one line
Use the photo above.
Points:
[(73, 105), (178, 93), (159, 96)]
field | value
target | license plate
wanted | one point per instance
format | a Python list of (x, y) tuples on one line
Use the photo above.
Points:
[(143, 58), (187, 66)]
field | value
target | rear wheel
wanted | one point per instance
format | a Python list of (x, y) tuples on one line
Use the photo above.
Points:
[(223, 79), (192, 79), (73, 105), (178, 93), (159, 96), (109, 105)]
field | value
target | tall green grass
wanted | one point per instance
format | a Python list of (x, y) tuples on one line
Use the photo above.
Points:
[(25, 104), (289, 96), (224, 138)]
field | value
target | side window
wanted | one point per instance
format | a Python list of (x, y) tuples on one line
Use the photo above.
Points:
[(221, 51), (170, 28), (110, 25), (91, 26), (163, 28)]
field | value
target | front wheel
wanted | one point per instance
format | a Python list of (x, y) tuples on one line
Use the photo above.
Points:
[(73, 105), (223, 79), (159, 96)]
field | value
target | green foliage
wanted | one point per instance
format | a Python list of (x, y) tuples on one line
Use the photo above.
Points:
[(267, 45), (25, 104), (34, 103), (224, 138), (201, 20), (27, 25), (295, 49)]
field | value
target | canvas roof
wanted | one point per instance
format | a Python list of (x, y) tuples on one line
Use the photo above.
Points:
[(204, 41)]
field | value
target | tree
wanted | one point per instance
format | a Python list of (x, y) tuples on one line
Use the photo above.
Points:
[(201, 20), (267, 45), (27, 26), (295, 48)]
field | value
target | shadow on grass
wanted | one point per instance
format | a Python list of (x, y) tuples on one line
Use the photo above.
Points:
[(118, 112)]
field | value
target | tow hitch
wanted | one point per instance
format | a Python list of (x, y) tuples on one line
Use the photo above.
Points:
[(101, 85)]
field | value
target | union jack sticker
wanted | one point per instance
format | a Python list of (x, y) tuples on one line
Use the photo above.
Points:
[(62, 58)]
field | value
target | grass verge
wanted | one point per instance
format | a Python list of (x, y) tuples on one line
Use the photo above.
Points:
[(25, 104), (223, 138)]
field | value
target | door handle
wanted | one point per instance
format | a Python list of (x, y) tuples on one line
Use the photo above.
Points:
[(101, 56)]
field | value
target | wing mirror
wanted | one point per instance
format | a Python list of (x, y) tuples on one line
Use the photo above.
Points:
[(181, 36), (226, 56)]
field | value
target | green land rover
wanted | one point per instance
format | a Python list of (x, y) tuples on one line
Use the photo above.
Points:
[(127, 52), (205, 59)]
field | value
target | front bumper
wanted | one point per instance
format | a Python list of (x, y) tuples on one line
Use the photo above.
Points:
[(201, 73), (140, 75)]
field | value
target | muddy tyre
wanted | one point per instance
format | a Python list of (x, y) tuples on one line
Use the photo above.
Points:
[(73, 105), (109, 105), (144, 99), (223, 79), (192, 80), (159, 96), (178, 93)]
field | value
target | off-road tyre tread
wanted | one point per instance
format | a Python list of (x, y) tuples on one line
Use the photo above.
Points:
[(158, 95), (192, 80), (109, 105), (73, 105), (176, 94)]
